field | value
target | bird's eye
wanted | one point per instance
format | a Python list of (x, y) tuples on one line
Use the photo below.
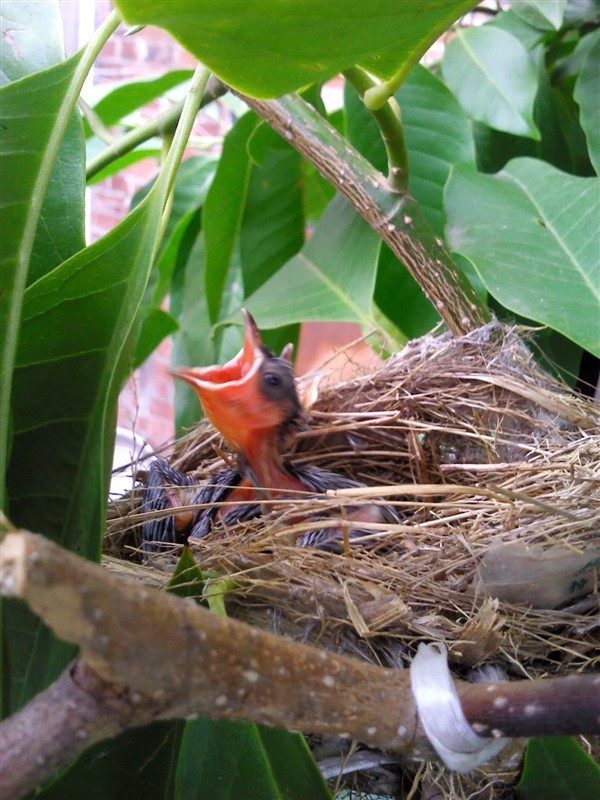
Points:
[(271, 379)]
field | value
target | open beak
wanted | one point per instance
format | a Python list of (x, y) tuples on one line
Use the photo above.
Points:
[(230, 394)]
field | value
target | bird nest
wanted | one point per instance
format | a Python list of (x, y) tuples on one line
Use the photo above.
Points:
[(493, 468)]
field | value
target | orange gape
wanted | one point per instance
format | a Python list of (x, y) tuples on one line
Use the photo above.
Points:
[(252, 400)]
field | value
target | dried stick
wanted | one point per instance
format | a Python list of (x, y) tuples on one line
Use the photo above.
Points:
[(147, 655)]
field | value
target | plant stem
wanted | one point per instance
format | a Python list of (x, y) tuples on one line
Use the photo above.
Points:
[(164, 122), (96, 125), (378, 95), (187, 117), (191, 106), (389, 121), (395, 216)]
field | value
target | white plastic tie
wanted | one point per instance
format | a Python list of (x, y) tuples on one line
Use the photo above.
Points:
[(441, 715)]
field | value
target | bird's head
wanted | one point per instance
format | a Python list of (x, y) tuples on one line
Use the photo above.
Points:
[(249, 398)]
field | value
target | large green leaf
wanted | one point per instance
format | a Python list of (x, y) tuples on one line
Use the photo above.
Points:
[(544, 14), (60, 230), (224, 208), (493, 76), (272, 228), (74, 349), (531, 233), (128, 97), (588, 98), (269, 47), (119, 164), (32, 40), (35, 114), (229, 760), (332, 278), (555, 113), (75, 325), (138, 764), (31, 37), (191, 186), (401, 299), (557, 768)]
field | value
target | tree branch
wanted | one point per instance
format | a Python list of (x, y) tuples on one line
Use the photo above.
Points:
[(185, 661), (395, 215)]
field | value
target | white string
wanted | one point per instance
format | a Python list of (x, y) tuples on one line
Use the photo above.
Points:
[(453, 739)]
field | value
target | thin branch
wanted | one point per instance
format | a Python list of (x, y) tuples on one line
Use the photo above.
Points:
[(162, 124), (389, 122), (125, 675), (396, 216), (95, 122)]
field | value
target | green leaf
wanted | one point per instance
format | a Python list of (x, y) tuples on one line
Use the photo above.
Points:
[(240, 760), (332, 278), (75, 325), (31, 37), (494, 78), (194, 179), (531, 38), (587, 96), (272, 228), (401, 298), (138, 764), (35, 112), (119, 164), (438, 135), (155, 326), (224, 208), (126, 98), (267, 48), (557, 768), (544, 14), (530, 231), (555, 113), (61, 227), (187, 579)]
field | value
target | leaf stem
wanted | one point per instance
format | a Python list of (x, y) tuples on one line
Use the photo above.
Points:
[(191, 106), (377, 95), (96, 125), (389, 122)]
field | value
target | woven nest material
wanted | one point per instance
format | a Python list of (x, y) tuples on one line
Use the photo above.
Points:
[(494, 470)]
